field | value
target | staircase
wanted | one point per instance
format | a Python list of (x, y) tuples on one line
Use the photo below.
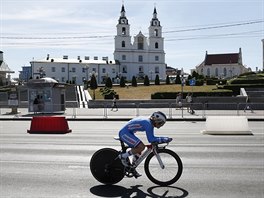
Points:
[(83, 96)]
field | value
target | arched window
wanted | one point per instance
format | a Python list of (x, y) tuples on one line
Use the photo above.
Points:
[(123, 30), (216, 71), (208, 72), (156, 45), (156, 32), (140, 69), (225, 72), (140, 43), (123, 44)]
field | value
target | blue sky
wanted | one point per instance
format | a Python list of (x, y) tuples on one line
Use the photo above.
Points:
[(34, 28)]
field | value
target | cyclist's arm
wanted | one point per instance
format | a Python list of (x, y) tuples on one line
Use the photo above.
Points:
[(151, 138)]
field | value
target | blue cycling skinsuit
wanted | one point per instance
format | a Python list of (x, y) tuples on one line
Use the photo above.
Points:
[(139, 124)]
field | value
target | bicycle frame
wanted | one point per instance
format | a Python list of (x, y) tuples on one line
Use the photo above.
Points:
[(150, 148)]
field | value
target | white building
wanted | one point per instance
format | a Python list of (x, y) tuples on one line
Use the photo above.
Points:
[(74, 70), (222, 65), (145, 56)]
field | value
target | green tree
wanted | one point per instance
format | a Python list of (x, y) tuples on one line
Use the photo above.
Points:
[(157, 80), (122, 82), (134, 81), (178, 79), (189, 78), (195, 75), (167, 80), (109, 83), (93, 85), (146, 80)]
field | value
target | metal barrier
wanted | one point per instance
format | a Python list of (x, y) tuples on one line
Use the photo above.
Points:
[(129, 110)]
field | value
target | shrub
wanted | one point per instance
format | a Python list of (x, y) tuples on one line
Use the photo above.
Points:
[(157, 80), (134, 81), (146, 80)]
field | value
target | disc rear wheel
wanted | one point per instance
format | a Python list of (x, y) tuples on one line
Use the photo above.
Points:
[(106, 167)]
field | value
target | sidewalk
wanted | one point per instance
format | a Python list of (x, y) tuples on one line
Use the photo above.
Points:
[(128, 113)]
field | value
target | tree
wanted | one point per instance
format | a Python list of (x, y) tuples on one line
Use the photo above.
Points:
[(146, 80), (188, 80), (178, 79), (122, 82), (157, 80), (134, 81), (109, 83), (195, 75), (167, 80), (93, 85)]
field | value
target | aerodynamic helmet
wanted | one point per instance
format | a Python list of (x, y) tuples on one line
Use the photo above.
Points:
[(158, 118)]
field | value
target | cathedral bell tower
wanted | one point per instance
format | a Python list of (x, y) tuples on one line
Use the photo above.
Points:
[(156, 41), (123, 38)]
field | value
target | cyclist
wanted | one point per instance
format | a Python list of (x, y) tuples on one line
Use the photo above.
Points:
[(146, 124)]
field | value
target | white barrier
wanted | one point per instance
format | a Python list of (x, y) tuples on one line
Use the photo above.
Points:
[(227, 125)]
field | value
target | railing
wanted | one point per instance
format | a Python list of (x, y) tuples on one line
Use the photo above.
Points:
[(130, 110)]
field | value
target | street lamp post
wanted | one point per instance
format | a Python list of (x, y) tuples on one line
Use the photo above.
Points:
[(151, 74), (182, 83)]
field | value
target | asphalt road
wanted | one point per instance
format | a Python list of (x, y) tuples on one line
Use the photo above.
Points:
[(48, 166)]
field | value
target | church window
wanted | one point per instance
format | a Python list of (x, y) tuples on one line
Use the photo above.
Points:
[(156, 32), (140, 43), (156, 70), (123, 44), (156, 58), (216, 71), (123, 57), (141, 69), (123, 31), (140, 58), (208, 72), (156, 45), (124, 69), (225, 72)]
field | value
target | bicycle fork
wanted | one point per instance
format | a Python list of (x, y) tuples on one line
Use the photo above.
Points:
[(158, 158)]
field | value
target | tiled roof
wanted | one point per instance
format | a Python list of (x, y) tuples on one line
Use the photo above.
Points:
[(221, 58)]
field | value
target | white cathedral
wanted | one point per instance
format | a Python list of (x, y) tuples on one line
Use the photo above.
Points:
[(145, 56)]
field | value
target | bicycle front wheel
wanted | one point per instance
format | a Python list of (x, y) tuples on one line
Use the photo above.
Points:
[(167, 175), (106, 167)]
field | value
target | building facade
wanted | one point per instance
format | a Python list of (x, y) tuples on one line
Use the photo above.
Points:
[(145, 55), (75, 71), (25, 74), (222, 65)]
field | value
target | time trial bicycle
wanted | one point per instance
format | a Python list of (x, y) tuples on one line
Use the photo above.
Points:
[(162, 166)]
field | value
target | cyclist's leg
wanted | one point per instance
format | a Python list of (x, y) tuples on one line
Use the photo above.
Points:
[(136, 148)]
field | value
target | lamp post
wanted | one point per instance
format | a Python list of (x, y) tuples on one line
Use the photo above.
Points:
[(151, 74), (182, 83), (86, 68)]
